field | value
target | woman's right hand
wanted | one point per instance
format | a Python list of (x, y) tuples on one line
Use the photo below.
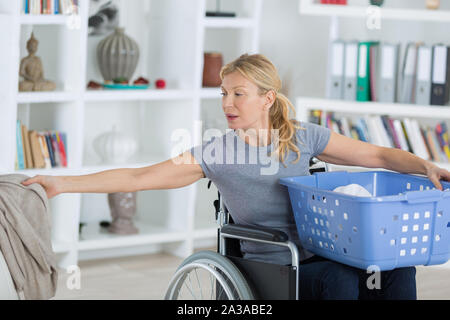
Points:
[(51, 184)]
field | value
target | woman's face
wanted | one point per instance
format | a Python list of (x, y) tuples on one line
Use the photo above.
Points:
[(242, 104)]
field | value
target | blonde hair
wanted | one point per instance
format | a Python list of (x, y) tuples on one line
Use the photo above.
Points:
[(258, 69)]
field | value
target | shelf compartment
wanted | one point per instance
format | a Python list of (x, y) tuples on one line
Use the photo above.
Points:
[(55, 116), (211, 93), (93, 237), (352, 11), (62, 247), (59, 50), (375, 108), (48, 96), (137, 95), (45, 19), (218, 22)]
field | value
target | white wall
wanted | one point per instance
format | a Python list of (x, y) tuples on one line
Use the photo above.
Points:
[(297, 46)]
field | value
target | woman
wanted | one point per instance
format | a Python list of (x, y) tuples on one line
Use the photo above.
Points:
[(258, 115)]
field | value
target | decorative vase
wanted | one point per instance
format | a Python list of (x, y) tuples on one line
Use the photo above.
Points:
[(123, 209), (115, 147), (117, 56), (212, 64), (432, 4)]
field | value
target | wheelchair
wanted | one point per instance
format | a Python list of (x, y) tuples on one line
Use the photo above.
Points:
[(226, 275)]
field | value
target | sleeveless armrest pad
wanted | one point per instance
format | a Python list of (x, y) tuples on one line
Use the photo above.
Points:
[(256, 233)]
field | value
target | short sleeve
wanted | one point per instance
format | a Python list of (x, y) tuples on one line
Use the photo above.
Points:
[(203, 157), (197, 153), (317, 137)]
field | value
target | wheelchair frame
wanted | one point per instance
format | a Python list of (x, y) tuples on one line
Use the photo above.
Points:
[(284, 278)]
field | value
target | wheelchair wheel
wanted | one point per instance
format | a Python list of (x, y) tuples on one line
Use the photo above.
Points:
[(207, 275)]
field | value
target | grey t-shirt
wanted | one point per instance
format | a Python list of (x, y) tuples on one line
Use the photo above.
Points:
[(248, 181)]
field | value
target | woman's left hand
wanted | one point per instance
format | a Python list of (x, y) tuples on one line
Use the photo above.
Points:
[(435, 174)]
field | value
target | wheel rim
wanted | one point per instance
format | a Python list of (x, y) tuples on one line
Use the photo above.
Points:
[(200, 280)]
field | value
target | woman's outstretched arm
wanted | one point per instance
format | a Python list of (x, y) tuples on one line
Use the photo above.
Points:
[(173, 173), (347, 151)]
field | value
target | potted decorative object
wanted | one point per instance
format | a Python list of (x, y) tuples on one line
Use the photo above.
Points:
[(123, 209), (32, 71), (115, 147), (376, 2), (432, 4), (117, 56), (212, 64)]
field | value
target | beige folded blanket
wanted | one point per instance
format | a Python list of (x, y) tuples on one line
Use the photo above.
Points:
[(25, 237)]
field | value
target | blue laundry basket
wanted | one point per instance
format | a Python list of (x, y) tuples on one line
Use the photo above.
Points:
[(406, 222)]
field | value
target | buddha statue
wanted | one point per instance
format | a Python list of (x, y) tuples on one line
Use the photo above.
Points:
[(32, 71)]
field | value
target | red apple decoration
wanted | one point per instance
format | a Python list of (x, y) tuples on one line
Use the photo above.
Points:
[(160, 84)]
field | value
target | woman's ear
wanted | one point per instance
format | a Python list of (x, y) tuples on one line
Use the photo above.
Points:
[(270, 99)]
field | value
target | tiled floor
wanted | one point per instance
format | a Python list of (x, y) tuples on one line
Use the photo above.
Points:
[(147, 277)]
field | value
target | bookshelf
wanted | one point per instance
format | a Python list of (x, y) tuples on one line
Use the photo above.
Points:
[(358, 10), (396, 110), (172, 35)]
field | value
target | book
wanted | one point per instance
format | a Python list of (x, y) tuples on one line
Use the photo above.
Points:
[(19, 143), (387, 142), (427, 146), (421, 144), (442, 142), (50, 149), (27, 148), (44, 150), (394, 134), (434, 151), (61, 149), (410, 136), (389, 131), (407, 137), (400, 135), (36, 153), (55, 149)]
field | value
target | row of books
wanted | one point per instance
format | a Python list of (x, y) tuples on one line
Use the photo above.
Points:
[(50, 6), (429, 143), (378, 71), (40, 149)]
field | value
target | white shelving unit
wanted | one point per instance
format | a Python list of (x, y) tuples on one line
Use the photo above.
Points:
[(305, 105), (312, 7), (172, 35), (358, 10)]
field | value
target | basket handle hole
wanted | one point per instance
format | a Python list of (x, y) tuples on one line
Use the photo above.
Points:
[(383, 231), (345, 250), (448, 224), (355, 229)]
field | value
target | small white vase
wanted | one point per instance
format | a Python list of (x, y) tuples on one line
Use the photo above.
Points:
[(115, 147)]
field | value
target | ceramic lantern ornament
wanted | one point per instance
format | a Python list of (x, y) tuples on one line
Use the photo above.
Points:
[(115, 147)]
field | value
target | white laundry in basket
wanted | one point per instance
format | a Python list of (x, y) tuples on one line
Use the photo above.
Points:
[(354, 190)]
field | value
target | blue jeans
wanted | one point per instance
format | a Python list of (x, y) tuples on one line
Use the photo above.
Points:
[(323, 279)]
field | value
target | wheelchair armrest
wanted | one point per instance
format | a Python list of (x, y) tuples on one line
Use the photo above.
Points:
[(256, 233)]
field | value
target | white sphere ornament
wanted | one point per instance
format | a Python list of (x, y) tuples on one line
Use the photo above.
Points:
[(115, 147)]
